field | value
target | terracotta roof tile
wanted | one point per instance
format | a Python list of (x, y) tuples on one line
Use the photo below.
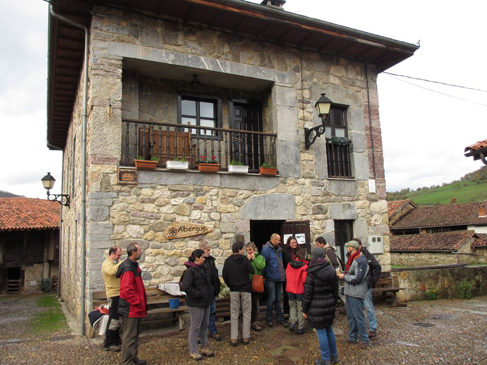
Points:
[(395, 206), (442, 216), (481, 240), (480, 145), (18, 214), (444, 241)]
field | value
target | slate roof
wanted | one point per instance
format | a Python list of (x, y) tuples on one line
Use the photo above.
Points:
[(19, 214), (442, 216), (444, 241)]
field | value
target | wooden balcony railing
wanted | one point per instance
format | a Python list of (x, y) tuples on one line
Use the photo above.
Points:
[(170, 141)]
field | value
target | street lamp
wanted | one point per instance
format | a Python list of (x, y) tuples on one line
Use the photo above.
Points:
[(48, 183), (322, 106)]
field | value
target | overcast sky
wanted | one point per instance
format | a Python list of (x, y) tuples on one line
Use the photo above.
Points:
[(424, 133)]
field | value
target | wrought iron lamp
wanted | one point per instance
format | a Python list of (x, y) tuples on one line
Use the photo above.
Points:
[(322, 106), (48, 183)]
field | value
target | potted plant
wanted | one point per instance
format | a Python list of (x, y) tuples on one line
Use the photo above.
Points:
[(207, 164), (268, 169), (142, 163), (177, 164), (237, 167)]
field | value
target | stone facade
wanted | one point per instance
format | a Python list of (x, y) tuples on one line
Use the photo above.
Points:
[(125, 49), (428, 258)]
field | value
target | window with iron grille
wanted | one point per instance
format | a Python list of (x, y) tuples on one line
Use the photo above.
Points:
[(203, 111), (338, 147)]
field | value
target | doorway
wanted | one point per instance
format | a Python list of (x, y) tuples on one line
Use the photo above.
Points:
[(261, 231), (14, 280)]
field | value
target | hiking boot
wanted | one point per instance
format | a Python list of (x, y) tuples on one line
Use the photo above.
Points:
[(270, 324), (256, 327), (196, 357), (283, 323), (364, 345), (320, 361), (138, 361), (246, 341), (112, 348), (334, 359), (301, 331), (205, 351), (372, 334), (234, 342), (292, 325), (351, 341), (216, 336)]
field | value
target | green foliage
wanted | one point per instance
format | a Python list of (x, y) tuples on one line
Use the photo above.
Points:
[(465, 290), (51, 318), (140, 157), (236, 163), (155, 158), (180, 159), (432, 294), (267, 165)]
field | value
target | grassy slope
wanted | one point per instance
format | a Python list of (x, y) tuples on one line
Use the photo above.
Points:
[(51, 319), (465, 192)]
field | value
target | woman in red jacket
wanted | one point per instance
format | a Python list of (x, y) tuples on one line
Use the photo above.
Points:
[(296, 276)]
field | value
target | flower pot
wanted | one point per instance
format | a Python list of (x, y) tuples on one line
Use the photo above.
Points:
[(208, 167), (146, 164), (238, 169), (268, 171), (177, 165)]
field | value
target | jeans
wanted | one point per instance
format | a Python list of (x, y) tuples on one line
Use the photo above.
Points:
[(328, 344), (296, 309), (212, 323), (356, 319), (369, 307), (240, 299), (199, 325), (274, 298)]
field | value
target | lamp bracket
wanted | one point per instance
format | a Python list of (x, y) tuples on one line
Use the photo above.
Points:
[(310, 134), (62, 199)]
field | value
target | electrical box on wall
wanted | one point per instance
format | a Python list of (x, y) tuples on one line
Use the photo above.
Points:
[(376, 244)]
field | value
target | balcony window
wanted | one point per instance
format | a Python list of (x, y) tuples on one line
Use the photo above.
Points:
[(202, 111)]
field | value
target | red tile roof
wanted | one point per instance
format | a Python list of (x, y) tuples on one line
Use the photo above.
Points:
[(477, 150), (18, 214), (480, 145), (395, 206), (444, 241), (481, 240), (442, 216)]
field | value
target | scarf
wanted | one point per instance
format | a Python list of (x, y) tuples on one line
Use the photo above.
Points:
[(351, 258)]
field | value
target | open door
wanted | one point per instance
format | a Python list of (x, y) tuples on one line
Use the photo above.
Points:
[(300, 230)]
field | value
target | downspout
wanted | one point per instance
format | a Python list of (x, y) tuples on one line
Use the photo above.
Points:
[(60, 251), (370, 121), (83, 167)]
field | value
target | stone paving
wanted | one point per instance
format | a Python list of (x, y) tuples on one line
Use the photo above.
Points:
[(427, 332)]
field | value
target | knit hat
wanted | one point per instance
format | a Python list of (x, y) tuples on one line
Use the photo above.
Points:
[(353, 244), (204, 245), (317, 253)]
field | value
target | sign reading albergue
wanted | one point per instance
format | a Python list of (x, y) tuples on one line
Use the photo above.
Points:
[(183, 229)]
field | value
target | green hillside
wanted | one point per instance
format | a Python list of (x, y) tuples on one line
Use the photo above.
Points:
[(471, 188)]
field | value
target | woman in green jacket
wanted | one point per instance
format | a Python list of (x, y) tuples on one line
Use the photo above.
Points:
[(258, 262)]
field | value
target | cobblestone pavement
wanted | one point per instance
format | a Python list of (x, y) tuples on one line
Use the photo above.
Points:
[(427, 332)]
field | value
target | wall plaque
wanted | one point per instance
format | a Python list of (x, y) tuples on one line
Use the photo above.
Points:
[(128, 177), (183, 229)]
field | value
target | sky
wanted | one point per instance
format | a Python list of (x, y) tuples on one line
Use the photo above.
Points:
[(424, 133)]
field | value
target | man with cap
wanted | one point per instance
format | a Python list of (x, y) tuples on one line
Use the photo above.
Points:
[(356, 286), (210, 266), (375, 270)]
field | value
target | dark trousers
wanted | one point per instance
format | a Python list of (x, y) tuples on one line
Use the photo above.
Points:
[(130, 344), (112, 336), (285, 299), (255, 307)]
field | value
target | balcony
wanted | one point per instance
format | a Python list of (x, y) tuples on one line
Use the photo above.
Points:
[(170, 141)]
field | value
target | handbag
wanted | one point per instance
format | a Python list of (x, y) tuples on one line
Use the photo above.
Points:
[(258, 283)]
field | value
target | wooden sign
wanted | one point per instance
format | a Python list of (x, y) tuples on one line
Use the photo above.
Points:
[(183, 229), (128, 177)]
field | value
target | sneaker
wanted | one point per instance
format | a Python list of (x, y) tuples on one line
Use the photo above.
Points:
[(270, 324), (216, 336), (364, 345), (112, 348), (283, 323), (334, 359), (372, 334), (292, 325), (196, 357), (349, 340), (138, 361), (205, 351), (301, 331), (256, 327), (246, 341), (234, 342)]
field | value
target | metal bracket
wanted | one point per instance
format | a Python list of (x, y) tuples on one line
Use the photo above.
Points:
[(310, 134)]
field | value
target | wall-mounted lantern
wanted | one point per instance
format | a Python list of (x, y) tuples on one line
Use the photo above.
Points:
[(322, 106), (48, 183)]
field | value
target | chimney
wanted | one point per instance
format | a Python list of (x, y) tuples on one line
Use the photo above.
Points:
[(482, 211), (274, 3)]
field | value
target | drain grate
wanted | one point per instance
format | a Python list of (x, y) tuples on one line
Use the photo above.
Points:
[(423, 324)]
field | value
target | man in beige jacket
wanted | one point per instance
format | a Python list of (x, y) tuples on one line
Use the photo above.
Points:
[(112, 286)]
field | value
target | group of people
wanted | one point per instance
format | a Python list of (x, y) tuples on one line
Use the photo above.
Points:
[(310, 283)]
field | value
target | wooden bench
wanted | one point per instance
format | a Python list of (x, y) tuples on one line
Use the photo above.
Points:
[(157, 304), (384, 289)]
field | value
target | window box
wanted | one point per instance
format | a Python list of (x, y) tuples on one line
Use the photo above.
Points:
[(270, 171), (208, 167), (146, 164), (177, 165), (238, 169)]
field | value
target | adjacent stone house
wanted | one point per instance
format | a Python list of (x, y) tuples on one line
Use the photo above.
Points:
[(29, 245), (174, 79)]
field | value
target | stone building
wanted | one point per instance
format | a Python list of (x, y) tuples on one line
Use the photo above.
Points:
[(224, 78)]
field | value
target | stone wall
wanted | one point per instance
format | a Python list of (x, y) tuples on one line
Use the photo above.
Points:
[(289, 82), (444, 280), (427, 258), (33, 278)]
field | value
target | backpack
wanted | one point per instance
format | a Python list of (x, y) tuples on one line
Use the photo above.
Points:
[(181, 281)]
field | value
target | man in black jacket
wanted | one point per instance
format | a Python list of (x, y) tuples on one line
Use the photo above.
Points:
[(210, 267), (374, 274)]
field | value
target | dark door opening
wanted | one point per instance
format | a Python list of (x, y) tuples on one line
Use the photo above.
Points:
[(14, 280), (261, 231), (343, 234)]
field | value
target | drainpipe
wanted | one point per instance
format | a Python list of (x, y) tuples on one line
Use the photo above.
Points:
[(83, 168)]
